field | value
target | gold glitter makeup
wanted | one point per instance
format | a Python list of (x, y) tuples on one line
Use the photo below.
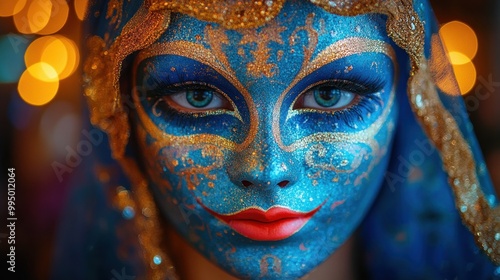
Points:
[(338, 50), (260, 65), (102, 69), (198, 52)]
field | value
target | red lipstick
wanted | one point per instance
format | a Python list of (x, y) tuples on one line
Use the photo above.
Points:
[(275, 224)]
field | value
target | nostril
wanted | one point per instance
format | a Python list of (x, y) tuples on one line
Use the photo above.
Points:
[(283, 183), (246, 183)]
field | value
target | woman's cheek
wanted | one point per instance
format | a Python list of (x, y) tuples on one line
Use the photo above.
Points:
[(350, 174)]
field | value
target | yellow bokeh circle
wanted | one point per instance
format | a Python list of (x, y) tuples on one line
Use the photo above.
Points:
[(39, 14), (63, 55), (459, 37), (58, 17), (34, 51), (38, 85), (466, 76), (458, 58), (10, 7), (58, 51), (80, 8), (21, 20)]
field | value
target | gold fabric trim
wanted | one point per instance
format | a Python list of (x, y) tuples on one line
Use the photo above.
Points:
[(102, 73), (230, 14), (407, 31), (458, 161)]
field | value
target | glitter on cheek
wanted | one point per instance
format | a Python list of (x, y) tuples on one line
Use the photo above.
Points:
[(348, 172), (192, 165)]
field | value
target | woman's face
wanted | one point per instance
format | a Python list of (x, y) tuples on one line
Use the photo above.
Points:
[(265, 147)]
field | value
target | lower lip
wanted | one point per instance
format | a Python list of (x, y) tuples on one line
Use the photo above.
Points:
[(268, 231)]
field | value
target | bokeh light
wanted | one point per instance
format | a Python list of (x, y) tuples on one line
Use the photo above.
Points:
[(42, 17), (43, 71), (80, 7), (38, 85), (461, 44), (466, 76), (9, 7), (35, 49), (21, 20), (39, 14), (12, 48), (458, 58), (55, 54), (58, 51), (459, 37), (58, 18), (48, 59), (62, 53)]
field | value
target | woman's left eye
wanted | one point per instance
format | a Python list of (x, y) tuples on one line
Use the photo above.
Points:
[(197, 99), (325, 97)]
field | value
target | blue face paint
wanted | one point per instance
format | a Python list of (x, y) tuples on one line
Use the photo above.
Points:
[(265, 147)]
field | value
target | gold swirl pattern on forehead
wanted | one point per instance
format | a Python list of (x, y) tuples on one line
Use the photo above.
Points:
[(340, 49), (197, 52)]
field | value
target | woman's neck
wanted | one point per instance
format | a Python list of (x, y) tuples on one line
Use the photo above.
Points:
[(191, 265)]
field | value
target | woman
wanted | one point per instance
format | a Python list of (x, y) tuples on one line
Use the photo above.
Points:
[(265, 132)]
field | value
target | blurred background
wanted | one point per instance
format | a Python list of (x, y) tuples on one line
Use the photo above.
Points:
[(41, 104)]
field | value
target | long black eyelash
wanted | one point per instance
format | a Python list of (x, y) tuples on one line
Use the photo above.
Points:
[(367, 104), (359, 85), (165, 86), (159, 85), (369, 99)]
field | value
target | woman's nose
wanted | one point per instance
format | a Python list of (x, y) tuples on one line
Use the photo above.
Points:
[(263, 165)]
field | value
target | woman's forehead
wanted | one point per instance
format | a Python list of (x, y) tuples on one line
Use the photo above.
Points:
[(277, 51), (294, 18)]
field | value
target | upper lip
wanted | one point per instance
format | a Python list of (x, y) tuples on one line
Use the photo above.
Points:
[(273, 214)]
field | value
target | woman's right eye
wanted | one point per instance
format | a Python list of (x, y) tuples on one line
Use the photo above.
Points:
[(326, 98), (195, 99)]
